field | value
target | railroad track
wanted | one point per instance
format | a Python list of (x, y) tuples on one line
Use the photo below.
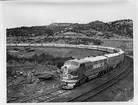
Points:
[(78, 94), (57, 93), (100, 88), (91, 92), (45, 97), (35, 97)]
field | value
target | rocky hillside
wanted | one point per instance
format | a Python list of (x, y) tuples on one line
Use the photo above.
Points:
[(95, 28)]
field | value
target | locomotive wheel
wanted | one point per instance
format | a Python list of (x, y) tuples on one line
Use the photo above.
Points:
[(102, 72), (87, 79), (105, 72), (82, 81), (108, 70), (77, 83), (99, 74)]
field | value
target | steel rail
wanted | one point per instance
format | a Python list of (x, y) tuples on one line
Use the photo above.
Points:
[(53, 96), (27, 99)]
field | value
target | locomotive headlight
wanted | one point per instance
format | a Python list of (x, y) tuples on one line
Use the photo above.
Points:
[(69, 76), (65, 68)]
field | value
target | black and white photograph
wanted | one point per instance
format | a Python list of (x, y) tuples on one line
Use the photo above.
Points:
[(69, 51)]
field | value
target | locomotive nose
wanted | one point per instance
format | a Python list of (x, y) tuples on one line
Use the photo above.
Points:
[(69, 67), (64, 68)]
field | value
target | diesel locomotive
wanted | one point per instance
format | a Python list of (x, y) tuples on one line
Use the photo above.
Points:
[(77, 71)]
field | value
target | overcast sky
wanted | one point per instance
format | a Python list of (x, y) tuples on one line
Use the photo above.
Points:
[(44, 13)]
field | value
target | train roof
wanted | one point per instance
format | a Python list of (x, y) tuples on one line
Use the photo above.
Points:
[(112, 55), (90, 59)]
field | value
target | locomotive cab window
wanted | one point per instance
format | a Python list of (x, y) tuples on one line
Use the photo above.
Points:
[(71, 63), (82, 65)]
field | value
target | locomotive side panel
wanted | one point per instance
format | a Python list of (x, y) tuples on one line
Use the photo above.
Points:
[(93, 68)]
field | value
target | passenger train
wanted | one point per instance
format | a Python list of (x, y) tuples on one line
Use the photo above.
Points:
[(76, 72)]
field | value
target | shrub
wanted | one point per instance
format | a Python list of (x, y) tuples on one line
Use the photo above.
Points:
[(97, 42), (42, 58)]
